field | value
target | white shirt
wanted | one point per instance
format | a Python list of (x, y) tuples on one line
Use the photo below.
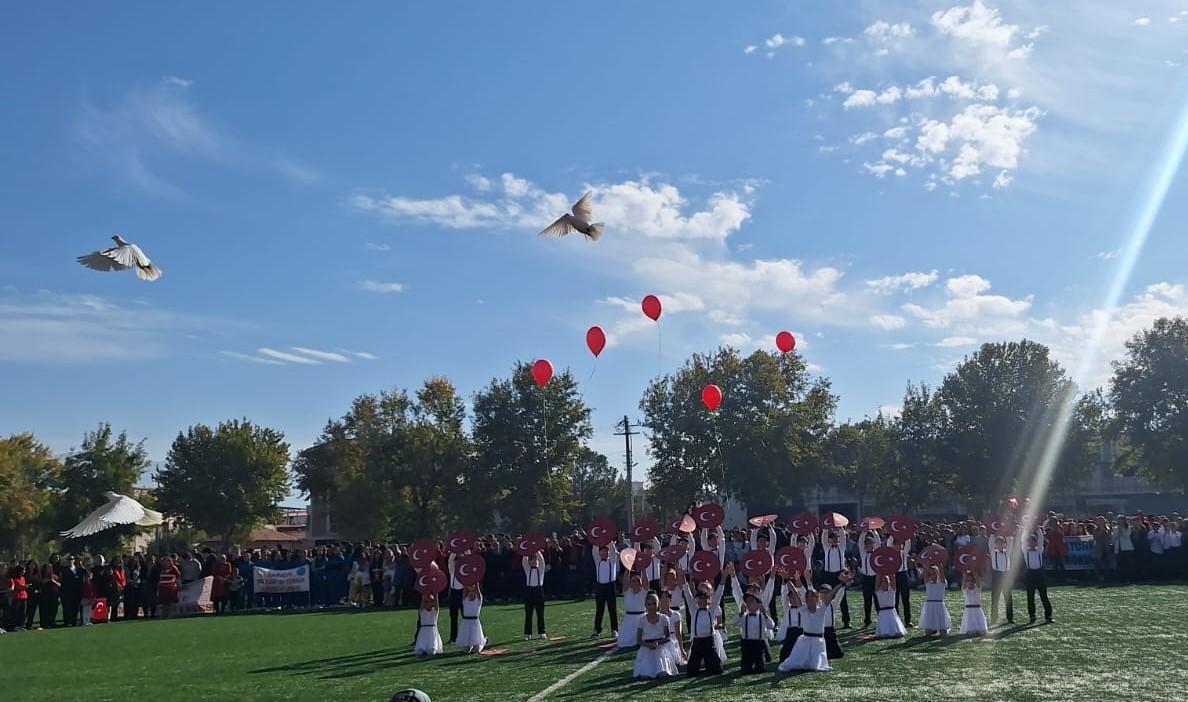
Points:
[(606, 570), (1173, 539), (1000, 561), (754, 625), (454, 584), (1156, 538), (703, 621), (1122, 540), (1034, 558), (904, 549), (835, 559), (534, 575)]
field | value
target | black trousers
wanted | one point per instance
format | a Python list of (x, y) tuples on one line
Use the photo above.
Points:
[(703, 654), (1035, 582), (605, 598), (753, 655), (71, 609), (868, 597), (455, 610), (1001, 588), (904, 596), (48, 606), (534, 603), (832, 579)]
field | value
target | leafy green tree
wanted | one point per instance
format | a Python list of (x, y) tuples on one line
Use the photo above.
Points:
[(915, 477), (526, 440), (225, 480), (764, 444), (28, 472), (1000, 410), (103, 462), (863, 458), (1149, 392), (396, 465), (598, 489)]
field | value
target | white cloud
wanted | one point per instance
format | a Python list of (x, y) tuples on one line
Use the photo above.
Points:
[(49, 328), (303, 356), (907, 282), (890, 411), (378, 247), (1107, 255), (887, 321), (967, 308), (378, 287), (882, 29), (322, 355), (750, 49), (952, 341), (150, 127), (638, 207), (976, 25), (287, 357), (829, 41), (1142, 21)]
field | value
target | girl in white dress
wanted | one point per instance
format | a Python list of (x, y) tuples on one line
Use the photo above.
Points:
[(428, 638), (470, 632), (652, 635), (676, 643), (888, 625), (809, 651), (973, 620), (934, 615), (634, 596)]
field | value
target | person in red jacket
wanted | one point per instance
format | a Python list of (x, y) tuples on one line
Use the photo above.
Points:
[(19, 592), (1055, 548)]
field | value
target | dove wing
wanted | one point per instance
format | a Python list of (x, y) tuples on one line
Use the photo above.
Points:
[(102, 261), (145, 269), (151, 518), (559, 228), (119, 510), (583, 209)]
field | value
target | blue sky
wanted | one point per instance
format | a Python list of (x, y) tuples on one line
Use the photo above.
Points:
[(346, 198)]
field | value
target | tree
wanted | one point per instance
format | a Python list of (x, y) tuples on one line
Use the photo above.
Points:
[(862, 458), (1003, 412), (225, 480), (102, 463), (598, 489), (764, 444), (28, 472), (395, 466), (1149, 391), (914, 478), (526, 440)]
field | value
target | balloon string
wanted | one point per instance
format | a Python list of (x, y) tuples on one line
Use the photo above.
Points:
[(594, 368), (659, 351), (544, 422)]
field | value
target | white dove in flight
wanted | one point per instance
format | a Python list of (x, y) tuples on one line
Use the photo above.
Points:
[(578, 221), (119, 510), (121, 257)]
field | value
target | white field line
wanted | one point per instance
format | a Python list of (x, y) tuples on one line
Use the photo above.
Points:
[(571, 677)]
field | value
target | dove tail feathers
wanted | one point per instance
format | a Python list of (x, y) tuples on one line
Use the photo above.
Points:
[(595, 231)]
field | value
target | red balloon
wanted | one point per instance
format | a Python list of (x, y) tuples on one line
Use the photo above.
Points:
[(785, 342), (711, 395), (596, 340), (542, 371), (651, 306)]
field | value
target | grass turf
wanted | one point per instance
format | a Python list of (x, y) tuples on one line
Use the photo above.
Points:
[(331, 656)]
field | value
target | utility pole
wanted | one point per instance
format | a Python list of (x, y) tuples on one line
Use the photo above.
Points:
[(626, 433)]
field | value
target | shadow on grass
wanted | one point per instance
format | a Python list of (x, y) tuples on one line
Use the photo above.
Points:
[(350, 666)]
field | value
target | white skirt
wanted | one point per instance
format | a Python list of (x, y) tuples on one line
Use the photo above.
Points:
[(934, 616), (628, 630), (808, 653), (974, 621), (676, 652), (470, 634), (428, 641), (720, 644), (889, 625), (654, 662)]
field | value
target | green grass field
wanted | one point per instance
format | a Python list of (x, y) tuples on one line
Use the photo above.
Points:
[(1113, 641)]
